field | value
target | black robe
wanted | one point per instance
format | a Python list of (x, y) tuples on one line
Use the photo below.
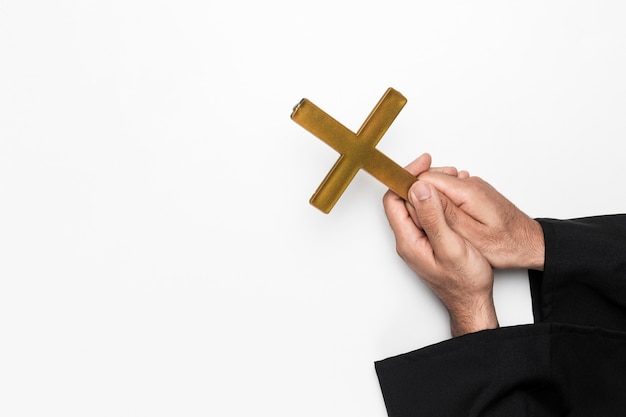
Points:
[(571, 362)]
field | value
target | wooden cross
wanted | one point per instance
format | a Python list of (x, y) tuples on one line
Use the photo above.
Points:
[(358, 151)]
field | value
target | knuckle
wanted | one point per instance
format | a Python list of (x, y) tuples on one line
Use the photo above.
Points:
[(450, 213), (400, 250), (403, 249)]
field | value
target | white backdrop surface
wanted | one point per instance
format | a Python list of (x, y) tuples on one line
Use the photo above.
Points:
[(158, 255)]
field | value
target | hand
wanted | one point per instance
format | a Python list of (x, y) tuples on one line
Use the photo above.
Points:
[(506, 236), (454, 269)]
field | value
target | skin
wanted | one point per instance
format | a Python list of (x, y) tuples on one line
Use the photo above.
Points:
[(452, 231), (506, 236)]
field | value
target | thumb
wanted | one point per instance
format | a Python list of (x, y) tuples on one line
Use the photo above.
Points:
[(430, 214)]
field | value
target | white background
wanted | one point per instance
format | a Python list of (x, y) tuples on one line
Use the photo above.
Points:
[(158, 255)]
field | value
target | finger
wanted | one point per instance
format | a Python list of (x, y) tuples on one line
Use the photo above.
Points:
[(474, 196), (453, 214), (446, 244), (462, 223), (399, 219), (463, 174), (412, 213), (421, 164), (446, 170), (454, 187)]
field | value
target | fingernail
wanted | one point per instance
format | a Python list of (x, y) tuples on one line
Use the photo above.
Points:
[(420, 191)]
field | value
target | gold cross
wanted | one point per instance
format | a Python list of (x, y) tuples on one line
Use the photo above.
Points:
[(358, 151)]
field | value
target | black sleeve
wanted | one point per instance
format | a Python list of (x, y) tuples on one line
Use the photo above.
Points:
[(584, 277), (471, 375), (523, 371)]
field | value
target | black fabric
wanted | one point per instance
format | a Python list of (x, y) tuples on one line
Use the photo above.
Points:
[(584, 278), (533, 370), (572, 362)]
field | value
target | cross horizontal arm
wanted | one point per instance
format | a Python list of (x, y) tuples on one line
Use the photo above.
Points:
[(320, 124)]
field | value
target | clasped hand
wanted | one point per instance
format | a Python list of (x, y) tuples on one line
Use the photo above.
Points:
[(453, 230)]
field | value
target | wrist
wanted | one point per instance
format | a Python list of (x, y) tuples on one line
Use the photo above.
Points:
[(534, 253), (474, 315)]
